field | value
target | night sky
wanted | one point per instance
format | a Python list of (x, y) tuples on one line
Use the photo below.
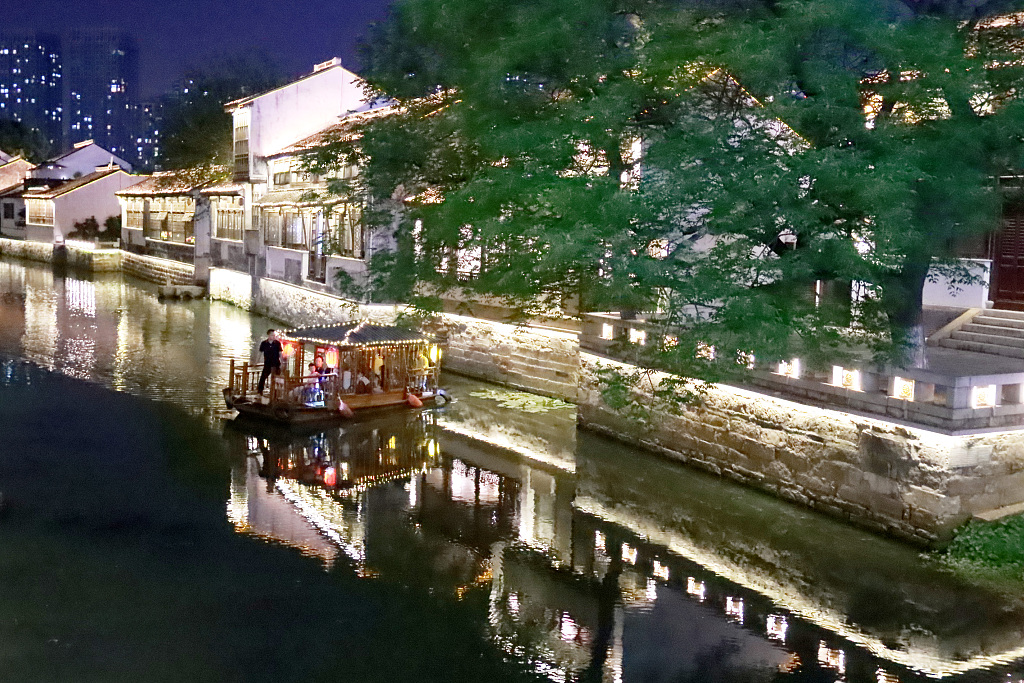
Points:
[(173, 34)]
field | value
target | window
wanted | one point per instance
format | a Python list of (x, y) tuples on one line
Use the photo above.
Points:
[(345, 236), (242, 151), (8, 210), (229, 218), (40, 211), (171, 220)]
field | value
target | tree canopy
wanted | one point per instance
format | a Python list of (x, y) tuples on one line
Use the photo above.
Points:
[(196, 131), (716, 161), (18, 139)]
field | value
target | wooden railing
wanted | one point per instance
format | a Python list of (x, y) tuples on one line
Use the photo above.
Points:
[(244, 380)]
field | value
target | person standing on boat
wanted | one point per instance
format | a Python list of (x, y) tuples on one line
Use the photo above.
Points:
[(272, 352)]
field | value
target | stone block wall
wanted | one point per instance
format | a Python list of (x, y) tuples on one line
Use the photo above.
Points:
[(293, 305), (231, 286), (157, 270), (543, 361), (30, 251), (912, 483), (97, 261)]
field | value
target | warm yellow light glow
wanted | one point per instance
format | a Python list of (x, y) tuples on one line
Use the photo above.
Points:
[(846, 378), (790, 369), (629, 553), (983, 396), (607, 331), (903, 388), (637, 336)]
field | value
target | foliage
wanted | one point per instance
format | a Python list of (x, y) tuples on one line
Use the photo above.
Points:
[(196, 131), (711, 161), (641, 395), (17, 139), (90, 230), (992, 547)]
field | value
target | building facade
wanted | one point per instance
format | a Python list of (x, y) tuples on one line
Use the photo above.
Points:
[(32, 83), (13, 173), (52, 212), (102, 72), (291, 230)]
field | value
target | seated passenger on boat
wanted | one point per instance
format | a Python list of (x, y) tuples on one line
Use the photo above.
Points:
[(354, 366)]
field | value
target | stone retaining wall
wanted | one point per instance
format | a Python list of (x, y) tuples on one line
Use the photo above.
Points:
[(539, 360), (159, 270), (912, 483), (97, 261), (30, 251)]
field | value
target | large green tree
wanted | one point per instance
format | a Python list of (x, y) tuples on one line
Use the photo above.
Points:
[(714, 160)]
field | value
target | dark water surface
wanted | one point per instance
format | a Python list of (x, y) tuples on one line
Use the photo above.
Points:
[(145, 537)]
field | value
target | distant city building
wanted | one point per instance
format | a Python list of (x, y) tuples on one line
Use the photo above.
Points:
[(101, 67), (149, 122), (31, 83)]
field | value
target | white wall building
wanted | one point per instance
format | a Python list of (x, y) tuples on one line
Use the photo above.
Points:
[(274, 195), (51, 212), (83, 159), (13, 173)]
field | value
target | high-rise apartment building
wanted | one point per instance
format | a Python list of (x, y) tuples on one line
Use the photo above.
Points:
[(31, 83), (101, 68)]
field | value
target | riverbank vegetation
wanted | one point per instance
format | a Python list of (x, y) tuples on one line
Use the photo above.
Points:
[(995, 549)]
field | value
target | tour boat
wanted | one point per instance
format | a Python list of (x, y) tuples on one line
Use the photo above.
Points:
[(371, 367)]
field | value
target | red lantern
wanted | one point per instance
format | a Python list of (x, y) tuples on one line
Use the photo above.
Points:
[(330, 477)]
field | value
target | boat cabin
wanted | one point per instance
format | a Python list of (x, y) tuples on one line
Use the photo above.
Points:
[(332, 371)]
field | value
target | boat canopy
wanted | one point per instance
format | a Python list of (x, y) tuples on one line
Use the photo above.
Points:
[(356, 334)]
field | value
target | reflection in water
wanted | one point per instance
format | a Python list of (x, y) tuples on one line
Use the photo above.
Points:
[(586, 559)]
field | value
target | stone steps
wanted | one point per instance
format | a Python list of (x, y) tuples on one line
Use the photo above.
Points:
[(983, 320), (979, 346), (998, 331)]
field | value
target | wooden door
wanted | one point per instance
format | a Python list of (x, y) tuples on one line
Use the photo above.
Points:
[(1009, 262)]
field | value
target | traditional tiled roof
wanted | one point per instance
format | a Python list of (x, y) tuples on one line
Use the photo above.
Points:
[(71, 185), (225, 187), (356, 334), (303, 197)]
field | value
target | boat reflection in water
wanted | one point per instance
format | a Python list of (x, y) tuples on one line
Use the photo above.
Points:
[(577, 596)]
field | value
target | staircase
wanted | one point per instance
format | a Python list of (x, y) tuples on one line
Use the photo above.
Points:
[(992, 331)]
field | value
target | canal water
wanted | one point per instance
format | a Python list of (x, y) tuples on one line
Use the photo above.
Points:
[(146, 536)]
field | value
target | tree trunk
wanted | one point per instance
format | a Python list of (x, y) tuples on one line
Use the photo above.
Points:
[(903, 303)]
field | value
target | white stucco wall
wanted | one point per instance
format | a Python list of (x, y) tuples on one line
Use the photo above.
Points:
[(95, 199), (938, 293), (299, 109), (79, 162), (278, 257)]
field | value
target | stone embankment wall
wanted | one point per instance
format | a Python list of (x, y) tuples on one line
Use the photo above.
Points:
[(30, 251), (912, 483), (292, 305), (540, 360), (159, 270)]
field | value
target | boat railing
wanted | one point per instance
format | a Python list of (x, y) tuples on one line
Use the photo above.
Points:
[(244, 380)]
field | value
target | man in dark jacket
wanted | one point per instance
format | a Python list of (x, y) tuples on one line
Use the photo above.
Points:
[(272, 352)]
